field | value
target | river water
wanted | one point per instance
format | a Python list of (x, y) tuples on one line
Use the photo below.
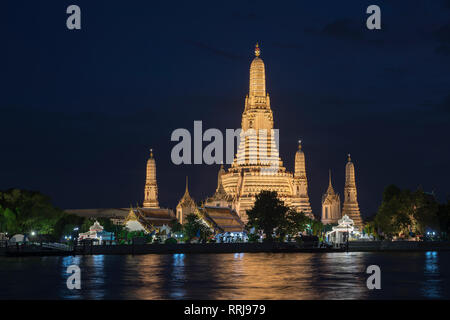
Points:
[(418, 275)]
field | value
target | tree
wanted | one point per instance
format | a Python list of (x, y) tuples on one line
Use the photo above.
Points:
[(443, 218), (403, 211), (267, 214), (370, 228), (23, 211), (317, 227), (176, 226), (194, 227), (394, 214), (293, 223), (108, 225), (9, 220), (65, 225)]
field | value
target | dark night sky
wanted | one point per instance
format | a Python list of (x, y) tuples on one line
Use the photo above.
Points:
[(80, 109)]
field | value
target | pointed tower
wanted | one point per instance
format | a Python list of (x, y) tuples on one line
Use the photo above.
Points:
[(258, 145), (351, 207), (186, 205), (151, 186), (257, 165), (300, 198), (331, 205)]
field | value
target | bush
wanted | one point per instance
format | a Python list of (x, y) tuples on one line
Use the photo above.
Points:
[(252, 237)]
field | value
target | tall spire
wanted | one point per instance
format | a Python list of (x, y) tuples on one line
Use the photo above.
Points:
[(257, 76), (351, 206), (350, 173), (301, 197), (258, 147), (151, 186), (300, 166)]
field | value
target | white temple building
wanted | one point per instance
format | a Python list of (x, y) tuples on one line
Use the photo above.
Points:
[(346, 226)]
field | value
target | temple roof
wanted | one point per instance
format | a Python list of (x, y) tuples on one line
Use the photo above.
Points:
[(222, 219), (132, 216), (100, 212), (150, 218), (330, 195), (186, 200)]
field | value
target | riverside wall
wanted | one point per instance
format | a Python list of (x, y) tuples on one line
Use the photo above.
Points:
[(354, 246)]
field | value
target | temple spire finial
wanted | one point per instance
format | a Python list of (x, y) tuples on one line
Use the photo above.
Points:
[(257, 50), (330, 189), (349, 158), (187, 191), (299, 144), (151, 153)]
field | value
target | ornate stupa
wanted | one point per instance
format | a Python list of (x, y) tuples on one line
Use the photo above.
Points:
[(300, 199), (331, 205), (257, 165), (351, 207), (151, 186)]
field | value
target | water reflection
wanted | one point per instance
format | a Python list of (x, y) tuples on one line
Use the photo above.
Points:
[(92, 277), (178, 277), (432, 284), (142, 276), (96, 277), (229, 276), (65, 263), (341, 275)]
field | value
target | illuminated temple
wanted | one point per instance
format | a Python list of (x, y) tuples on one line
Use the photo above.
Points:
[(257, 165)]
